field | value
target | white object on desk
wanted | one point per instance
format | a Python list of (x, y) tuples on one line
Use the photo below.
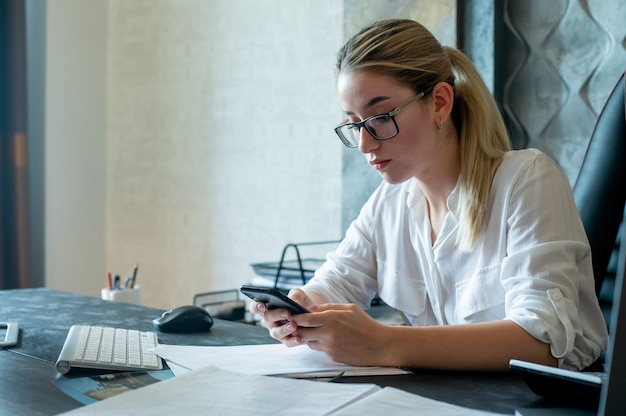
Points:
[(214, 391), (268, 359), (122, 295), (400, 403), (11, 335), (107, 348), (218, 392)]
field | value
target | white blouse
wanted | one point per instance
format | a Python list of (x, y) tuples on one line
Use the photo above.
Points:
[(532, 264)]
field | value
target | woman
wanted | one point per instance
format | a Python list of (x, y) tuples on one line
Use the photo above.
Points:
[(480, 248)]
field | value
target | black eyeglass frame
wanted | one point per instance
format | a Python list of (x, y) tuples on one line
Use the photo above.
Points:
[(363, 123)]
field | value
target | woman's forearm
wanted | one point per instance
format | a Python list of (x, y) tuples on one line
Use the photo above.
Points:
[(480, 346)]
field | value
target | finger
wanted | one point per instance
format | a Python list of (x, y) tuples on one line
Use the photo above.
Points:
[(281, 332), (331, 307), (257, 308), (299, 296), (274, 318), (293, 341), (306, 321), (312, 334), (279, 314)]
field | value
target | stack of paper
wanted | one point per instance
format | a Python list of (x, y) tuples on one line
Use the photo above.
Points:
[(235, 381), (218, 392), (268, 359), (215, 391)]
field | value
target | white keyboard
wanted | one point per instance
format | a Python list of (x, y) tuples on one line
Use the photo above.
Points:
[(105, 348)]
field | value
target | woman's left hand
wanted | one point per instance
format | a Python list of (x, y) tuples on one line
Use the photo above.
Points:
[(345, 332)]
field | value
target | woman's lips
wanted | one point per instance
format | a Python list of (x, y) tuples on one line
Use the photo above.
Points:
[(379, 164)]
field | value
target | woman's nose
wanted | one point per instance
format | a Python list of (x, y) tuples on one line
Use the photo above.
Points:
[(367, 142)]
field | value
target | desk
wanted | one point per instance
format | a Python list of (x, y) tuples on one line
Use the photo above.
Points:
[(45, 316)]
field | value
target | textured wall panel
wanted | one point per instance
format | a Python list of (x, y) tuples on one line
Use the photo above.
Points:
[(562, 60)]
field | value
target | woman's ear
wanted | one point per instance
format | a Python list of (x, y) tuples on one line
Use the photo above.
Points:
[(443, 99)]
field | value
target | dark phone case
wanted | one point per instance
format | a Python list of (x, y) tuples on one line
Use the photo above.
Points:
[(273, 298)]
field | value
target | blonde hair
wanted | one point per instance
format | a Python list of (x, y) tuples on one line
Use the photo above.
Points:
[(408, 52)]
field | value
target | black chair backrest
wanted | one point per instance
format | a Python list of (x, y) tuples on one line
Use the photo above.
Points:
[(600, 188)]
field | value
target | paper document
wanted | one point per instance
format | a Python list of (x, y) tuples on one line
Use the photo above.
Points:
[(400, 403), (268, 359), (211, 390), (218, 392)]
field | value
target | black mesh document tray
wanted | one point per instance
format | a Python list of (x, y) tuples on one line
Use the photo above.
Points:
[(284, 273)]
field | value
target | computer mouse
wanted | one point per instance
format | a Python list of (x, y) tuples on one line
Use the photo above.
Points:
[(184, 319)]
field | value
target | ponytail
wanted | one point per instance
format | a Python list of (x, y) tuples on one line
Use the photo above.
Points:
[(483, 142)]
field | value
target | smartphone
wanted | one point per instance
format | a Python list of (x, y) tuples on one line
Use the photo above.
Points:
[(273, 298)]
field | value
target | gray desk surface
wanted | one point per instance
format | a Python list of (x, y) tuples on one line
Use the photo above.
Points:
[(45, 316)]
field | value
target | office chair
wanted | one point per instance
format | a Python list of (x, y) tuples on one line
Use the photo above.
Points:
[(600, 191)]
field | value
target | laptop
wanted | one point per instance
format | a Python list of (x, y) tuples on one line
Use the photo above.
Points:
[(601, 394)]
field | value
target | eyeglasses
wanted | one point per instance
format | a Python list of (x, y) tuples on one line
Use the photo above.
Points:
[(380, 126)]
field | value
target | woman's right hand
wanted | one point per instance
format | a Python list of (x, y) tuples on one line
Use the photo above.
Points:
[(280, 322)]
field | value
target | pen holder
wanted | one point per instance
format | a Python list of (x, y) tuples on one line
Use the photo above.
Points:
[(123, 295)]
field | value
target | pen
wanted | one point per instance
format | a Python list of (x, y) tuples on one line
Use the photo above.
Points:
[(110, 280), (132, 279), (338, 376), (116, 285)]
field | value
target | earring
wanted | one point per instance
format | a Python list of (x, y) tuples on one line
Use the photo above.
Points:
[(439, 126)]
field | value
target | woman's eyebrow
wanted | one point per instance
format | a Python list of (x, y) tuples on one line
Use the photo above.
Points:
[(370, 104)]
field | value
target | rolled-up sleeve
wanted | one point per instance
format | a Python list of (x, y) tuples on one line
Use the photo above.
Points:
[(549, 305), (547, 273)]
